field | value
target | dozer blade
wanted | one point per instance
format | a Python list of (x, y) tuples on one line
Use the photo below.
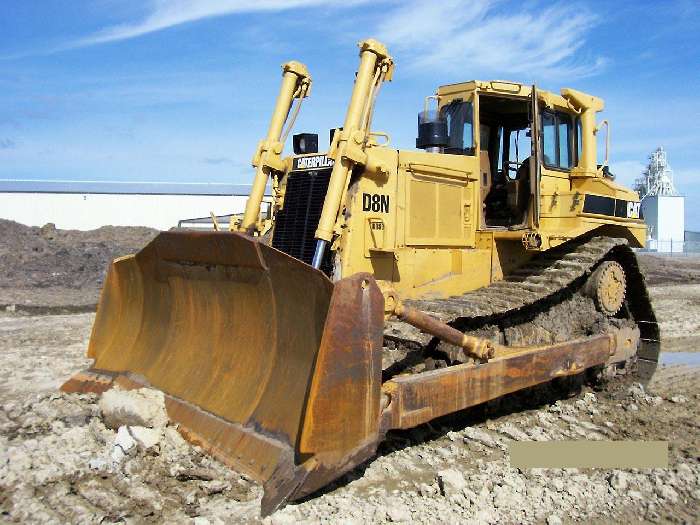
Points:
[(264, 362)]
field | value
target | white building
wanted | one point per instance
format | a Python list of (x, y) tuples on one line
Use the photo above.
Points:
[(85, 205), (663, 208), (665, 218)]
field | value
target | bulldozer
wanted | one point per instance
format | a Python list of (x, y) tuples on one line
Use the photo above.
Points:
[(384, 288)]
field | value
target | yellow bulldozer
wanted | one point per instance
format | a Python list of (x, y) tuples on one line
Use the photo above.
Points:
[(394, 286)]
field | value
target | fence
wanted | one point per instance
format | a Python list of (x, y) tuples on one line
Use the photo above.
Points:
[(205, 223), (673, 247)]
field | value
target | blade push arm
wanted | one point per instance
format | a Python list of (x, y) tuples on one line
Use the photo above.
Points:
[(296, 83)]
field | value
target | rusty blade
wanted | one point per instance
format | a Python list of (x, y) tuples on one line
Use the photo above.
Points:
[(222, 323), (264, 362), (341, 423)]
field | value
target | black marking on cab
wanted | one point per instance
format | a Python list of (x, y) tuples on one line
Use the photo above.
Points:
[(602, 205), (375, 202)]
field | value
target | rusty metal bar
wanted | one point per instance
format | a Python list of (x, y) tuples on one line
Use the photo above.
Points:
[(416, 399), (476, 347)]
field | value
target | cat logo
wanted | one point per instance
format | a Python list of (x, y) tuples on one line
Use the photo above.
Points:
[(633, 210), (312, 163)]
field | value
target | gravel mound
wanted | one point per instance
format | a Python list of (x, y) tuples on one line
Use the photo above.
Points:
[(47, 267)]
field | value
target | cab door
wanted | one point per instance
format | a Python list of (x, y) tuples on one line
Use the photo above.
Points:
[(535, 166)]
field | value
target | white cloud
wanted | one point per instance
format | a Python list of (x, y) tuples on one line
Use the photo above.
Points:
[(169, 13), (7, 143), (490, 37)]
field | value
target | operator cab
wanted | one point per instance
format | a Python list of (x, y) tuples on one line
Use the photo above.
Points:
[(504, 148)]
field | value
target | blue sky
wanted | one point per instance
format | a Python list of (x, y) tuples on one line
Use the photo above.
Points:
[(182, 90)]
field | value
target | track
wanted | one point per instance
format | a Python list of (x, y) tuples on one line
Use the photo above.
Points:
[(542, 303)]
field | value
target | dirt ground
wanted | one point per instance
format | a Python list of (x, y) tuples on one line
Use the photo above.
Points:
[(59, 463), (670, 269)]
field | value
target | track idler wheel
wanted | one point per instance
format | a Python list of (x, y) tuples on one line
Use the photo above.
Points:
[(607, 286)]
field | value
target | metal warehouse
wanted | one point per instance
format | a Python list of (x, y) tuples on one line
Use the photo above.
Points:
[(85, 205)]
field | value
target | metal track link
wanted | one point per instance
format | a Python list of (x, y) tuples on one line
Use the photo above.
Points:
[(549, 274), (540, 278)]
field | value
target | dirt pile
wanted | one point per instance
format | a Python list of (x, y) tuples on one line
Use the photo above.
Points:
[(48, 267), (51, 270)]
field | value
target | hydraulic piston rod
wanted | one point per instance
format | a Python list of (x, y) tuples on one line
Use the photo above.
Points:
[(295, 84), (476, 347), (375, 67)]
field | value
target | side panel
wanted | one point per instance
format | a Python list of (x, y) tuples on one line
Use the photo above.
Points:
[(416, 228), (571, 207), (438, 209), (438, 256), (368, 230)]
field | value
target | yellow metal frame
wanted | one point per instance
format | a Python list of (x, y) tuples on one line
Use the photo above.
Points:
[(296, 83), (431, 242)]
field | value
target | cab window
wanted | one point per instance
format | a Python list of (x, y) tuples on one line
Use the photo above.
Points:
[(549, 139), (557, 134), (458, 115)]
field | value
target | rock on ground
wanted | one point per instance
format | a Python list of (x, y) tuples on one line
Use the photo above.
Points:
[(59, 463), (144, 407)]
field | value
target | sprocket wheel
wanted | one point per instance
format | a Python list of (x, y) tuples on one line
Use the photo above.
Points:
[(607, 286)]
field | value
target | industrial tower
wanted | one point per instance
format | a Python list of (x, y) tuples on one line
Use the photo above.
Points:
[(663, 208)]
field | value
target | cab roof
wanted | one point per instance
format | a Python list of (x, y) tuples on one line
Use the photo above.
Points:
[(567, 97)]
